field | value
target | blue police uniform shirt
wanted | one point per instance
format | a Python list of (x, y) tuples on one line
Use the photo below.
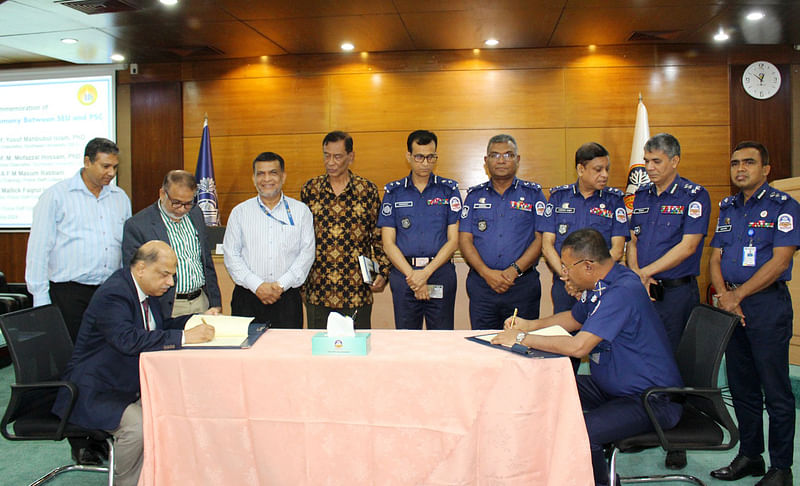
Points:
[(765, 221), (421, 219), (634, 354), (503, 227), (567, 211), (660, 221)]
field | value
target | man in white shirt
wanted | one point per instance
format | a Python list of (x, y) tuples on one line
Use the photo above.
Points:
[(269, 249)]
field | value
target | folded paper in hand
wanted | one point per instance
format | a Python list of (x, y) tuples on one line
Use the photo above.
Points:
[(340, 326), (229, 331), (369, 269)]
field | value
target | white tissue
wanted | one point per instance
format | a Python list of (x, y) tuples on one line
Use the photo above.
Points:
[(340, 326)]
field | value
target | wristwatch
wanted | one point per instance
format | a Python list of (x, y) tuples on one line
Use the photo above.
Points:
[(521, 336), (516, 267)]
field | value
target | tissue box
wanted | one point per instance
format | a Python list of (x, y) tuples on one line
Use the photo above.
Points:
[(358, 345)]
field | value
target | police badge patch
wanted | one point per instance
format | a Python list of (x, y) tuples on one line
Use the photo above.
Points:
[(455, 204), (405, 223), (637, 229), (482, 225), (387, 209), (562, 229), (539, 208), (464, 212), (785, 223)]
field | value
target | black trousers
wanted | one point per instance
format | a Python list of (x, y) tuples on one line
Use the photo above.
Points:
[(286, 313), (72, 299)]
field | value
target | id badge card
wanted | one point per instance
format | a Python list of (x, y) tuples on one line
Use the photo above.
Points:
[(436, 291), (749, 256)]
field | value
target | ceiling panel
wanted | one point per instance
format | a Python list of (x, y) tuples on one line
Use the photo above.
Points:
[(468, 29), (603, 25), (281, 9), (420, 6), (9, 55), (326, 34)]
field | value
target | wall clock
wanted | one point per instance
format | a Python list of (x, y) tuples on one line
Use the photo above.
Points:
[(761, 80)]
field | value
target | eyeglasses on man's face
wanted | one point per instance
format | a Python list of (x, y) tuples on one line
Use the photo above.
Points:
[(336, 157), (178, 204), (566, 268), (430, 158), (508, 156)]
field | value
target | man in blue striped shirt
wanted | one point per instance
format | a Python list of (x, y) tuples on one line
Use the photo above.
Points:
[(76, 244), (175, 219)]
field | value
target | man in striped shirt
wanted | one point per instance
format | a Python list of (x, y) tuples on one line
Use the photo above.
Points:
[(269, 248), (176, 220)]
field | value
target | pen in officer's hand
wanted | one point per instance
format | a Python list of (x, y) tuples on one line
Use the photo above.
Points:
[(514, 318)]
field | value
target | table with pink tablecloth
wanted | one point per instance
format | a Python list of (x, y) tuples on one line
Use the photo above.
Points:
[(423, 408)]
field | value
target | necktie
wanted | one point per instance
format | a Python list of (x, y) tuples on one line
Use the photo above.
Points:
[(146, 308)]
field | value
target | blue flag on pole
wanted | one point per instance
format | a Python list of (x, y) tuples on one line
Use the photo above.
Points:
[(206, 184)]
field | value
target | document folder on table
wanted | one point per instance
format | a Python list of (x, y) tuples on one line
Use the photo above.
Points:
[(486, 339), (230, 332)]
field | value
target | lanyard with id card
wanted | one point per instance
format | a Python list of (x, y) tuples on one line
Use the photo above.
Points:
[(749, 252)]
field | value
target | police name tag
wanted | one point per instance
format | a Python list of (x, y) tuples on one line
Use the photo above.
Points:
[(749, 256), (436, 291)]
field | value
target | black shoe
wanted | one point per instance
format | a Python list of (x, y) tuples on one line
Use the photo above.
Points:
[(776, 477), (675, 460), (86, 457), (740, 467)]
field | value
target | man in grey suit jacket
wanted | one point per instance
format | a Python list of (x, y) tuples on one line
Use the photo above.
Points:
[(175, 219)]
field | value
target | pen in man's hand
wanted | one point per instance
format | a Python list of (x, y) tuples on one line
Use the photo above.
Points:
[(514, 318)]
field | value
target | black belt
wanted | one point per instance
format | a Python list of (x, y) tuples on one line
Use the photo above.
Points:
[(776, 285), (190, 295), (670, 283)]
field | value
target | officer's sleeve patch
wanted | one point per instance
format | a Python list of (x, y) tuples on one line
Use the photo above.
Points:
[(695, 209), (548, 210), (785, 223), (539, 208), (622, 215), (387, 209), (455, 204), (464, 212)]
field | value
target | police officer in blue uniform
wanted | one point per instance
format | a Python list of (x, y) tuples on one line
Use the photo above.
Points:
[(668, 225), (620, 331), (587, 203), (419, 229), (500, 238), (756, 237)]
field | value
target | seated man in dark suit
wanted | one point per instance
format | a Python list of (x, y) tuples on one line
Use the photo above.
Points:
[(121, 322), (621, 333)]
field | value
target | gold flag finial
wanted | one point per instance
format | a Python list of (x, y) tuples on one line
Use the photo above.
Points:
[(640, 96)]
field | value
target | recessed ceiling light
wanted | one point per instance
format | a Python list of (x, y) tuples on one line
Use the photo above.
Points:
[(117, 57), (491, 42), (755, 15), (721, 36), (347, 46), (69, 40), (169, 2)]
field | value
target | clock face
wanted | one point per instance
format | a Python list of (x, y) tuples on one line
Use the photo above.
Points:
[(761, 80)]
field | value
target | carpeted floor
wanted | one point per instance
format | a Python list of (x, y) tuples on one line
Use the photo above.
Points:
[(23, 462)]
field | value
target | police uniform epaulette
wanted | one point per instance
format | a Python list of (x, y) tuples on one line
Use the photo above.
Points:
[(554, 190), (392, 185), (479, 186), (644, 187), (777, 196), (531, 185), (449, 183), (691, 188), (727, 202), (614, 191)]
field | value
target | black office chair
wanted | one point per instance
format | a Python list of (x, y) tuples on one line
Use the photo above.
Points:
[(17, 291), (705, 417), (40, 348)]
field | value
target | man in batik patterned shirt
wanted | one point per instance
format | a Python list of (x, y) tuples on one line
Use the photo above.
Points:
[(345, 208)]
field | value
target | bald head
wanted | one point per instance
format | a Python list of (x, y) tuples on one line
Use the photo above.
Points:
[(153, 267)]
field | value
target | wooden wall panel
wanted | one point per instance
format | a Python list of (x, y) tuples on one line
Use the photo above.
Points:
[(259, 106), (448, 100), (766, 121), (156, 143), (674, 95), (12, 257)]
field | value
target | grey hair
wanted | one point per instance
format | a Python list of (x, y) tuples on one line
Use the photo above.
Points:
[(502, 138), (665, 143)]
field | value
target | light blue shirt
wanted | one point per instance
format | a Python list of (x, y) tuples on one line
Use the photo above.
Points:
[(75, 236), (261, 248)]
